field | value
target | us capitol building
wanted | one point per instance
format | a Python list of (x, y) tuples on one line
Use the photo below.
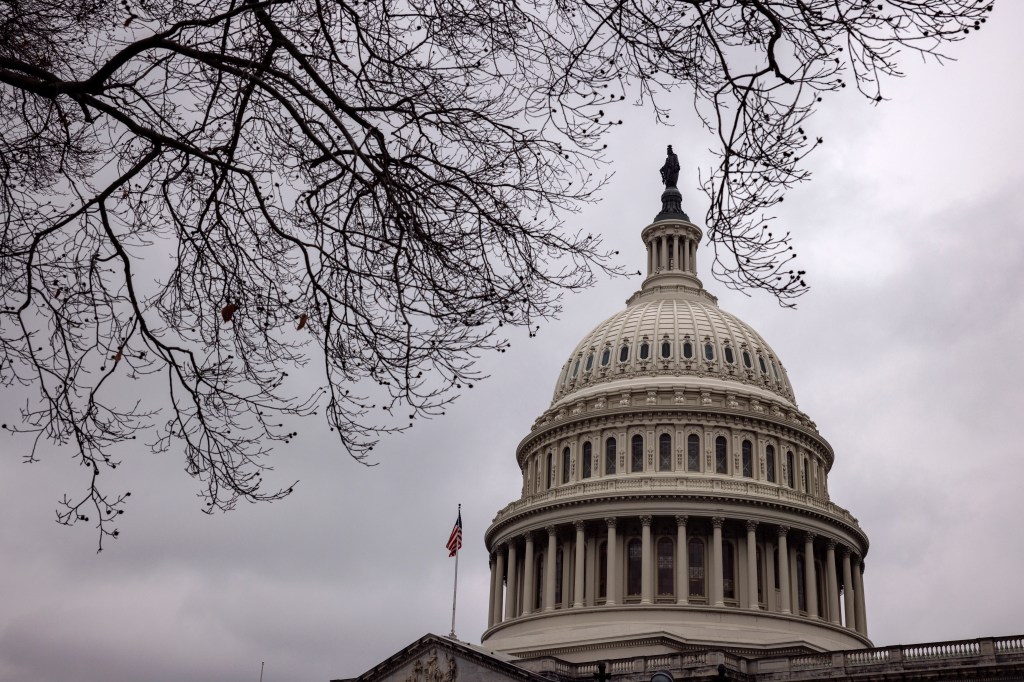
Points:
[(675, 520)]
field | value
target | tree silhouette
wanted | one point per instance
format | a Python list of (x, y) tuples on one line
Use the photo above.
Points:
[(204, 195)]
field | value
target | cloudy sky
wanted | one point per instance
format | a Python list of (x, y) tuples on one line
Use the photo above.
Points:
[(908, 353)]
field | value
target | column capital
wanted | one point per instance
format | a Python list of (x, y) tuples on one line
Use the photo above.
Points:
[(847, 553), (751, 525), (529, 535), (646, 520), (611, 520), (579, 525), (810, 535), (783, 531), (831, 543), (501, 549), (681, 519), (717, 521), (552, 530)]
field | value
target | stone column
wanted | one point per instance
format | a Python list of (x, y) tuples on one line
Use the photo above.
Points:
[(577, 597), (784, 569), (528, 577), (499, 579), (858, 587), (491, 599), (718, 588), (810, 581), (682, 562), (549, 569), (511, 595), (848, 591), (833, 588), (612, 577), (646, 560), (752, 565)]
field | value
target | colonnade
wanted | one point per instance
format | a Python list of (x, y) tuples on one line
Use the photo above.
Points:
[(671, 252), (692, 561)]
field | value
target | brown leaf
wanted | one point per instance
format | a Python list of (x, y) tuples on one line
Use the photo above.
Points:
[(302, 321), (228, 311)]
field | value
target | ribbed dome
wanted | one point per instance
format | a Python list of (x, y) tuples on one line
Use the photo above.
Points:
[(674, 337)]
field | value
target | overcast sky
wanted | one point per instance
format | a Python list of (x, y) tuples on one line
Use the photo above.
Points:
[(908, 353)]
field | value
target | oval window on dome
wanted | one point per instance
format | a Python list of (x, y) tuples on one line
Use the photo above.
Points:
[(590, 362), (709, 351), (687, 350), (760, 361), (645, 350), (666, 349), (729, 357), (606, 357), (575, 368), (775, 371), (624, 353), (746, 360)]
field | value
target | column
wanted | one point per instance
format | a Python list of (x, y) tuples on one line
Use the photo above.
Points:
[(752, 565), (682, 559), (784, 569), (833, 589), (549, 569), (499, 579), (511, 596), (650, 257), (693, 256), (528, 577), (577, 597), (612, 574), (646, 560), (858, 586), (716, 579), (685, 253), (810, 581), (490, 602), (848, 595)]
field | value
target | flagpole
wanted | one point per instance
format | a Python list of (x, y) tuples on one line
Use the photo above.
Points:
[(455, 586)]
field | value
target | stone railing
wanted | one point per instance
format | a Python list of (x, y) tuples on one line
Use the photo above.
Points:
[(633, 483)]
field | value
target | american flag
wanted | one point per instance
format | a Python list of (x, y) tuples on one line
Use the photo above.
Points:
[(455, 539)]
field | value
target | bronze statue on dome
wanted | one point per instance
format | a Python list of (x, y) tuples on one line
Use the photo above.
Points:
[(670, 171)]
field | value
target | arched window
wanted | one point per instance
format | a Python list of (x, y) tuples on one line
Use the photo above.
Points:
[(609, 456), (687, 350), (587, 453), (729, 357), (721, 456), (709, 351), (602, 570), (693, 452), (769, 462), (728, 570), (634, 563), (590, 362), (624, 353), (760, 361), (549, 478), (636, 461), (747, 451), (575, 368), (695, 554), (790, 474), (645, 350), (538, 583), (666, 567), (606, 357), (664, 452), (746, 360), (666, 349), (566, 465)]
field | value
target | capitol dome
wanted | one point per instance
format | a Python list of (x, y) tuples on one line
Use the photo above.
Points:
[(674, 497)]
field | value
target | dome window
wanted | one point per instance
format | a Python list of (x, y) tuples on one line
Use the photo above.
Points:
[(693, 452), (769, 461), (624, 353), (609, 456), (764, 367), (721, 456), (576, 368), (566, 464), (709, 351), (645, 350), (729, 357), (590, 362), (637, 454), (666, 349), (664, 452), (606, 357), (746, 360), (588, 453), (687, 350), (747, 451), (775, 371)]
